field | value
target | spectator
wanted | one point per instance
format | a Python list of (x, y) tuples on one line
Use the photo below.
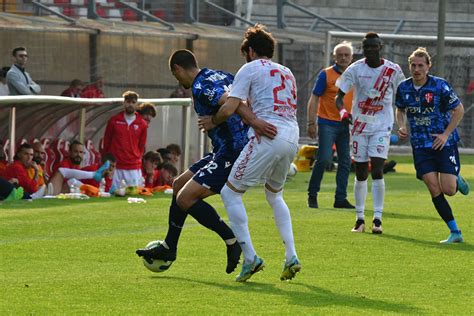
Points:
[(91, 175), (147, 111), (175, 153), (39, 154), (94, 90), (329, 129), (17, 172), (151, 161), (73, 161), (3, 81), (125, 137), (74, 90), (18, 80), (166, 174), (165, 155)]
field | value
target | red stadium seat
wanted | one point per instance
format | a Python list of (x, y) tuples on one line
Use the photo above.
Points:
[(129, 15), (93, 152), (50, 157), (70, 11), (6, 147), (62, 1), (159, 13), (101, 12)]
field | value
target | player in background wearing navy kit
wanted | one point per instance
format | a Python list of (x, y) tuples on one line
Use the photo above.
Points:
[(375, 82), (433, 110), (207, 176), (271, 91)]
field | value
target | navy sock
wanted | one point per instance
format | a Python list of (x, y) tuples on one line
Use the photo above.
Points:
[(444, 210), (207, 216), (176, 220)]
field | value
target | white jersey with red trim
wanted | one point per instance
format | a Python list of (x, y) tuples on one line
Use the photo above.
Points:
[(375, 90), (270, 88)]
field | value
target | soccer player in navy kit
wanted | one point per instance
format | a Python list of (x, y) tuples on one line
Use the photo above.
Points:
[(207, 176), (433, 110)]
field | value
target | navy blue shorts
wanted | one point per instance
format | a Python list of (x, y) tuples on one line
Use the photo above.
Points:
[(443, 161), (213, 170)]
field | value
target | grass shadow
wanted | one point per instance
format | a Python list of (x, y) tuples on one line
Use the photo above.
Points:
[(316, 297), (433, 244)]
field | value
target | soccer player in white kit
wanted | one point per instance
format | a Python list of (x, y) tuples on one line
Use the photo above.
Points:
[(270, 89), (375, 81)]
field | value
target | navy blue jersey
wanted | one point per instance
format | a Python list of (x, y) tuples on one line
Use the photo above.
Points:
[(208, 87), (428, 110)]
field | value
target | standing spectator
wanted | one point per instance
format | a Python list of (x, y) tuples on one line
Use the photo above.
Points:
[(125, 138), (74, 90), (433, 110), (175, 153), (329, 128), (375, 81), (94, 90), (3, 82), (17, 172), (147, 111), (19, 81)]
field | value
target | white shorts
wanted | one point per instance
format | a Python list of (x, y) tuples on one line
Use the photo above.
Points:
[(131, 177), (370, 145), (267, 162)]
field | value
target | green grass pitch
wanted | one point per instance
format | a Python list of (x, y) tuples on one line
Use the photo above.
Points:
[(77, 257)]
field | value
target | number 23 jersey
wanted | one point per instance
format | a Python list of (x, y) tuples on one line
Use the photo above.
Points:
[(270, 88)]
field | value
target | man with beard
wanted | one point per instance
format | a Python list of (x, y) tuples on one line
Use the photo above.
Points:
[(73, 161), (39, 156), (19, 81), (375, 81), (125, 138)]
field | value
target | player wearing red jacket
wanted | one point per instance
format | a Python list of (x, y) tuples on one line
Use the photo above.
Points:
[(125, 138), (18, 170)]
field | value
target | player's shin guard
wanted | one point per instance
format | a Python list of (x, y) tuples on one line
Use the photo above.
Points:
[(176, 221), (282, 216), (238, 221), (378, 194), (207, 216), (360, 194)]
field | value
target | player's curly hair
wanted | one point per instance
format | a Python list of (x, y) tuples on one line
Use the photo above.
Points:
[(261, 41), (420, 52)]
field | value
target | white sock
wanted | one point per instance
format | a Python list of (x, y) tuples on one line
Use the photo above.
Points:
[(360, 194), (282, 216), (238, 221), (40, 193), (74, 173), (378, 194)]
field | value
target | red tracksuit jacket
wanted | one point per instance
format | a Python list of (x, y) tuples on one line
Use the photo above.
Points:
[(17, 170), (126, 143)]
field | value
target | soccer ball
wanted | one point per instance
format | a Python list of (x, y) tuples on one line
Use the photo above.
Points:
[(292, 170), (157, 265)]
